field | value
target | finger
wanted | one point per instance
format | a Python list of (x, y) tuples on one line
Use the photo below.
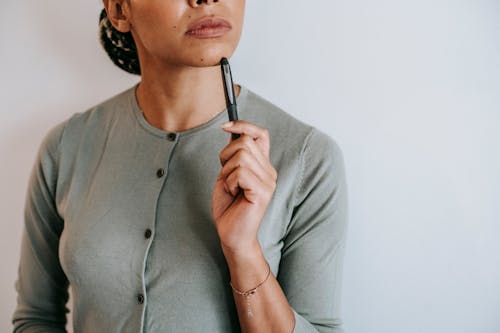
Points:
[(248, 146), (259, 134), (242, 158), (244, 142), (254, 190), (221, 178)]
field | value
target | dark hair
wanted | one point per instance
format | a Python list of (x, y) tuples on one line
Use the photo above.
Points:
[(119, 46)]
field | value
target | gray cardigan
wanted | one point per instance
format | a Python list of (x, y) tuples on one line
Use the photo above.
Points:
[(120, 211)]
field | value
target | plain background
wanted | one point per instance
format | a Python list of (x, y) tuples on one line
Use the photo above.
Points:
[(409, 89)]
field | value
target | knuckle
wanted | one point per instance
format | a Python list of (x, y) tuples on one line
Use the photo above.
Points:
[(244, 172), (275, 174), (224, 171), (230, 179), (243, 155), (221, 155), (247, 140), (240, 172), (264, 135)]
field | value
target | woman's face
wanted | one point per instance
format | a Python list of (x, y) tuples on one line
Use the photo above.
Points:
[(162, 30)]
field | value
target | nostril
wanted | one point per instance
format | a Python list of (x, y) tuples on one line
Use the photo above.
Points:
[(199, 2)]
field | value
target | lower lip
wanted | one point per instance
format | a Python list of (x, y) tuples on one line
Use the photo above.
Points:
[(209, 32)]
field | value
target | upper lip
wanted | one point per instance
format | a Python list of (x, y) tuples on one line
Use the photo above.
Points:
[(208, 22)]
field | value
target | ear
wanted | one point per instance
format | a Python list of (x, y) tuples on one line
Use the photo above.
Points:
[(118, 14)]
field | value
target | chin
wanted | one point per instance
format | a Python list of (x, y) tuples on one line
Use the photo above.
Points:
[(209, 57)]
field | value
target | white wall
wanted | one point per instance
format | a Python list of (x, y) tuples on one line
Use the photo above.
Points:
[(409, 89)]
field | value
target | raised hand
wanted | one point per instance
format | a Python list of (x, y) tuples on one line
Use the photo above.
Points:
[(244, 187)]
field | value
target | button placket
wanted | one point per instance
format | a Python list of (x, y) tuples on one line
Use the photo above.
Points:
[(148, 232), (170, 137)]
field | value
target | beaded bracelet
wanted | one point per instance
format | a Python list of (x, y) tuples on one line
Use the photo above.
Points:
[(250, 292)]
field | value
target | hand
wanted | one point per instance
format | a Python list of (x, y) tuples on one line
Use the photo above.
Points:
[(244, 187)]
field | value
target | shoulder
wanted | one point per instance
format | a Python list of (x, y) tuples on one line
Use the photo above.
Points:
[(102, 114), (286, 130), (89, 122), (280, 123)]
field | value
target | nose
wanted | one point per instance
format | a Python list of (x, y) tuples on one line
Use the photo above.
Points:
[(196, 3)]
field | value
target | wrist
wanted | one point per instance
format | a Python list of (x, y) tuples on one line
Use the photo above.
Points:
[(245, 255), (247, 267)]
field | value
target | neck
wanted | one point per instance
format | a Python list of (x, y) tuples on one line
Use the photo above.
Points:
[(179, 98)]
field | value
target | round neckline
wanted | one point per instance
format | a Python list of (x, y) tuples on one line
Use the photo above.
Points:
[(218, 119)]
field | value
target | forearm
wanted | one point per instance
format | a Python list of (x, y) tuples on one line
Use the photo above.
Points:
[(266, 310)]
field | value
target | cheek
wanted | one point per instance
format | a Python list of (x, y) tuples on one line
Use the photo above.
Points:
[(156, 22), (158, 36)]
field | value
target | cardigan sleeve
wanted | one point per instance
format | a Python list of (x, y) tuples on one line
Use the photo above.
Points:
[(42, 287), (312, 257)]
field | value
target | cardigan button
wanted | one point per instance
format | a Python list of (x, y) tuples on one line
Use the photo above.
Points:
[(160, 172), (148, 233), (171, 136), (140, 298)]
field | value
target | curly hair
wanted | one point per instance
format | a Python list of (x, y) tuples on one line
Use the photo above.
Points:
[(119, 46)]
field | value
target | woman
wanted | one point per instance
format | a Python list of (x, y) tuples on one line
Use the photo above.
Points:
[(157, 220)]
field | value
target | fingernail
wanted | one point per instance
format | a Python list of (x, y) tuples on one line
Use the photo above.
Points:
[(227, 124)]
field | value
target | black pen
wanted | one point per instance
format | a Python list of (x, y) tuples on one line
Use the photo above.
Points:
[(227, 79)]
